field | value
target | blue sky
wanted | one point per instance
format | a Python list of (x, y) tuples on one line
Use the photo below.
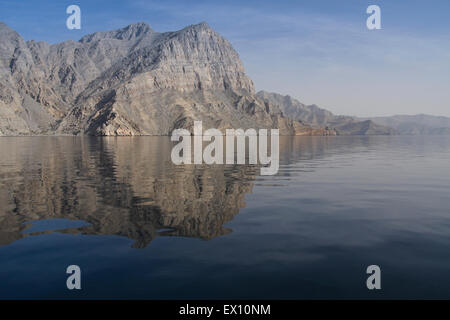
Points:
[(318, 51)]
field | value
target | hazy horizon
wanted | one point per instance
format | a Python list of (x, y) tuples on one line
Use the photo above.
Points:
[(319, 53)]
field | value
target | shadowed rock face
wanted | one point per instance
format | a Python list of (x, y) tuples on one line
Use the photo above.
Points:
[(131, 81), (119, 186)]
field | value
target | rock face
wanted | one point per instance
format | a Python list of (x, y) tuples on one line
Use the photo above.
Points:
[(131, 81), (321, 118)]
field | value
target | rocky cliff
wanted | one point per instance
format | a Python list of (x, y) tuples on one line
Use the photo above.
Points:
[(131, 81)]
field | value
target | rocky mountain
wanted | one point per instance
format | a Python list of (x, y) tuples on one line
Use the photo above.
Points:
[(131, 81), (420, 124), (321, 118)]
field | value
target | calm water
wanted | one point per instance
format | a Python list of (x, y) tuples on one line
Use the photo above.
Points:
[(140, 227)]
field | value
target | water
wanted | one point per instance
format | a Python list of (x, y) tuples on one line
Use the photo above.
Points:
[(141, 227)]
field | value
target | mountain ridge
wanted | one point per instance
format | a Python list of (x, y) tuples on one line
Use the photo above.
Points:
[(130, 81), (418, 124), (137, 81), (318, 117)]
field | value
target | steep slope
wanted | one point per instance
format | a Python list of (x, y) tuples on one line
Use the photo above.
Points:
[(20, 109), (39, 82), (292, 108), (191, 74), (131, 81), (317, 117)]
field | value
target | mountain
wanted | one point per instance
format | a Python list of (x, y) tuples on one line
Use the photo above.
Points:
[(317, 117), (420, 124), (131, 81)]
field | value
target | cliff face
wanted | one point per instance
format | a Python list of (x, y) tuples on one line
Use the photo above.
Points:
[(39, 83), (131, 81), (321, 118)]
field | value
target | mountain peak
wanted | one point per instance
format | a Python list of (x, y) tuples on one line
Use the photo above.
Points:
[(5, 29), (139, 27), (203, 24), (132, 81), (199, 26), (10, 40), (129, 32)]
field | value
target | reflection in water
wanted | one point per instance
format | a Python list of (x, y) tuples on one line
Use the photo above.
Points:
[(120, 186), (128, 186), (337, 205)]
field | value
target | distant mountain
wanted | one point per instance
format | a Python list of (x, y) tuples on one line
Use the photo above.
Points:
[(420, 124), (317, 117), (131, 81)]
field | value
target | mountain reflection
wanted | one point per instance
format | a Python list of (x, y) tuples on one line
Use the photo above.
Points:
[(123, 186), (128, 186)]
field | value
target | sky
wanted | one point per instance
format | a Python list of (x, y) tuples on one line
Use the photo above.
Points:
[(318, 51)]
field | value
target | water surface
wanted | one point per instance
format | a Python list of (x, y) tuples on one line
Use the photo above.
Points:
[(141, 227)]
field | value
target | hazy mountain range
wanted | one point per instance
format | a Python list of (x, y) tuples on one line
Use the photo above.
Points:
[(135, 81), (321, 118), (416, 124), (345, 125)]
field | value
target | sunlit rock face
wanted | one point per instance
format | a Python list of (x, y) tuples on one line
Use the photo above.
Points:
[(131, 81)]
